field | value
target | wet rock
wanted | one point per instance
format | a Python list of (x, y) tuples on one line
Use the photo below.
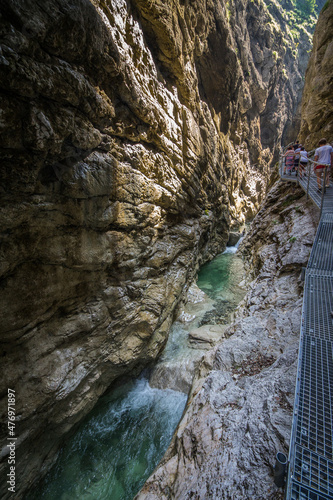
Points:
[(208, 335), (234, 237), (176, 375), (239, 412), (219, 314)]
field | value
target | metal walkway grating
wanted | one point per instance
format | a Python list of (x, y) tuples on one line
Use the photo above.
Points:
[(314, 194), (314, 420), (322, 252), (310, 472), (317, 307), (313, 471), (300, 492)]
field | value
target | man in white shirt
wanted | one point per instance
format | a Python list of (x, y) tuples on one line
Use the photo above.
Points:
[(323, 156)]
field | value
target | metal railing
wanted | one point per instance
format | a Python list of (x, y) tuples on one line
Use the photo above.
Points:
[(310, 460), (312, 181)]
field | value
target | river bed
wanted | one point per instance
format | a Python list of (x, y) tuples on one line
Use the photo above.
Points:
[(119, 444)]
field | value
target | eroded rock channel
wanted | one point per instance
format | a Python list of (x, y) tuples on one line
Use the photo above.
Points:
[(121, 441), (240, 406)]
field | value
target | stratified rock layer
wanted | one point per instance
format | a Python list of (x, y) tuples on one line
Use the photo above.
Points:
[(240, 408), (133, 134), (317, 101)]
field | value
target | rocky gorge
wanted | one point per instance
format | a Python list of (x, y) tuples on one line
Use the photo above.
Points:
[(239, 410), (134, 137)]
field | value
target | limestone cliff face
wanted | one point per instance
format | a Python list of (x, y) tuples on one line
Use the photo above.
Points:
[(133, 135), (239, 412), (317, 102)]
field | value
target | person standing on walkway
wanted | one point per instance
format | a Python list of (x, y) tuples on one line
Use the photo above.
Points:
[(296, 145), (323, 157), (303, 162), (289, 159)]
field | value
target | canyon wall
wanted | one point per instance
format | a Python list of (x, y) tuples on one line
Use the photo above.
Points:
[(317, 102), (134, 135), (240, 408)]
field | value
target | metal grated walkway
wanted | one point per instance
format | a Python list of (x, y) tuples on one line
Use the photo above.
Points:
[(321, 257), (309, 183), (310, 472)]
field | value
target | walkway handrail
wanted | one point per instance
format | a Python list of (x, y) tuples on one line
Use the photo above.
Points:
[(313, 183), (310, 460), (284, 148), (319, 163)]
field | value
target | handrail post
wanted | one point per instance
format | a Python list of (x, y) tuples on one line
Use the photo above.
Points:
[(281, 165), (323, 190), (280, 469), (308, 183)]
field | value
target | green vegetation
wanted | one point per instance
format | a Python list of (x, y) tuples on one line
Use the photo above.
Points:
[(292, 239), (307, 7), (298, 19), (301, 17), (293, 26), (326, 5)]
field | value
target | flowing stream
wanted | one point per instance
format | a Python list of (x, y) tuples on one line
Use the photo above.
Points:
[(118, 445)]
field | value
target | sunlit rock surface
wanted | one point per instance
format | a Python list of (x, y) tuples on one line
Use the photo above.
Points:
[(133, 136), (240, 409), (317, 102)]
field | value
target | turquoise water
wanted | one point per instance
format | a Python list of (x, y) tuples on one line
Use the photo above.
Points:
[(119, 444), (221, 278), (117, 447), (223, 281)]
